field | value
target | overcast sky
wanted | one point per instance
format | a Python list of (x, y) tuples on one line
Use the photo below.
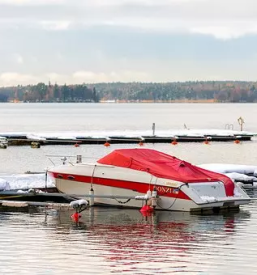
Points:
[(76, 41)]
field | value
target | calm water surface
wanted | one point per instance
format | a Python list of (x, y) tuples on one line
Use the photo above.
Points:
[(38, 117), (116, 241)]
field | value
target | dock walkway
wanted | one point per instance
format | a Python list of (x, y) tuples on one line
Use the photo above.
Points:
[(18, 139)]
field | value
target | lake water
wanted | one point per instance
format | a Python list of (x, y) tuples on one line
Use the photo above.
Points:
[(36, 117), (116, 241)]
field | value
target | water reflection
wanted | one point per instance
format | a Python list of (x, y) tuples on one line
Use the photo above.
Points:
[(123, 220), (108, 241), (126, 238)]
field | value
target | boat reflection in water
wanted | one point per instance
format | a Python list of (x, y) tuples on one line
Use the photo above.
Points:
[(125, 236), (95, 218), (111, 240)]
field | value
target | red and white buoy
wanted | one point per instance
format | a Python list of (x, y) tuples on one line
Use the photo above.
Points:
[(141, 143), (150, 202), (174, 142), (79, 206)]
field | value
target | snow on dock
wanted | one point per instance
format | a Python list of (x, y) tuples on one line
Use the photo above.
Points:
[(230, 168), (24, 181), (99, 137), (244, 175)]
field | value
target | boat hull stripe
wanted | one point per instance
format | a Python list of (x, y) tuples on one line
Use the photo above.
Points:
[(139, 187)]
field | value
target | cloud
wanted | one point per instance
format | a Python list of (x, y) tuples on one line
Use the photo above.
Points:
[(79, 77), (18, 58), (126, 76), (227, 31), (31, 2), (126, 40), (11, 78), (222, 19), (55, 25)]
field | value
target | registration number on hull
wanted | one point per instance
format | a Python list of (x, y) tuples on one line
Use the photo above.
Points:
[(166, 190)]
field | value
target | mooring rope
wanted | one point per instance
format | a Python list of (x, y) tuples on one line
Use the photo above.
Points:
[(122, 202)]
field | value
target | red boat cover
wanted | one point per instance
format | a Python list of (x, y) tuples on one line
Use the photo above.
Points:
[(165, 166)]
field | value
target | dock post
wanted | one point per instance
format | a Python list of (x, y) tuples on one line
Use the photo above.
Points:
[(241, 122), (91, 200), (46, 181), (79, 158), (153, 128)]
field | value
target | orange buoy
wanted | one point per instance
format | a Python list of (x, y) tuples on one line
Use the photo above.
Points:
[(174, 142), (147, 208), (141, 143), (76, 145), (237, 141), (75, 217), (206, 142), (107, 144)]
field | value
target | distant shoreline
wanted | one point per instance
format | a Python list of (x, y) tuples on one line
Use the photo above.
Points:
[(136, 92), (211, 101)]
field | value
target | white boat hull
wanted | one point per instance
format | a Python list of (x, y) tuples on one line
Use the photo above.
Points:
[(115, 181), (81, 188)]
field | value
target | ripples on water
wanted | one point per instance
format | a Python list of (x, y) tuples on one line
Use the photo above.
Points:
[(118, 241)]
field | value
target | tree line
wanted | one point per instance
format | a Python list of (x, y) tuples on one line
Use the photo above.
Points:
[(216, 91), (49, 93)]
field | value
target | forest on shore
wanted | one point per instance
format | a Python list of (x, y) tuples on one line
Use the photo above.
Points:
[(197, 91)]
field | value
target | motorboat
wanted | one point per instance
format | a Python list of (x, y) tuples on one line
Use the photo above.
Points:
[(125, 176)]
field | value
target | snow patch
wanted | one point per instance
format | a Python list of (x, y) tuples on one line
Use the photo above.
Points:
[(25, 181), (4, 185), (241, 177), (230, 168), (35, 137)]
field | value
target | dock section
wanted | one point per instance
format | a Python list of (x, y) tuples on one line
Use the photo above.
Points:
[(38, 139)]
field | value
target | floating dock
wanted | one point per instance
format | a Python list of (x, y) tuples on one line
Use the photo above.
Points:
[(37, 140), (48, 195), (126, 140)]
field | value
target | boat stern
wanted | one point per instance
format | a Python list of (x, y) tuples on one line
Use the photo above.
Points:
[(212, 195)]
